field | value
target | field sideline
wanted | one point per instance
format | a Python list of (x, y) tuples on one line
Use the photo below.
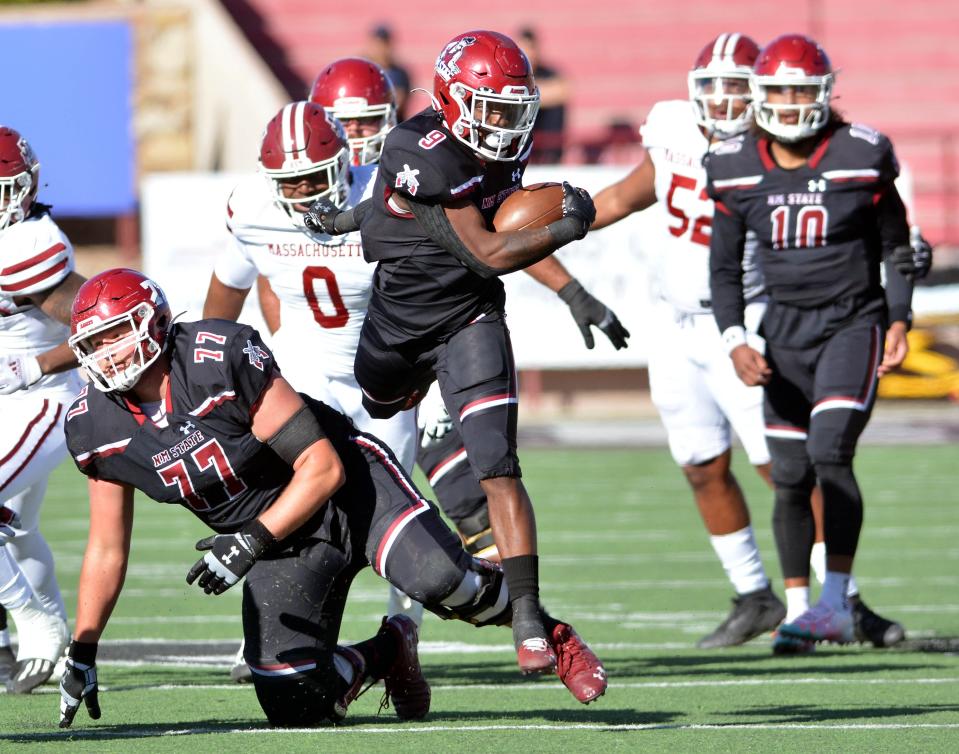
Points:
[(625, 559)]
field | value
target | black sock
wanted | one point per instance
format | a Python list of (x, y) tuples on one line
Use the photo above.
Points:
[(522, 576), (378, 652)]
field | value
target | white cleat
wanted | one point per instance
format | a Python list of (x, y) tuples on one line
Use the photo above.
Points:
[(821, 623), (43, 637)]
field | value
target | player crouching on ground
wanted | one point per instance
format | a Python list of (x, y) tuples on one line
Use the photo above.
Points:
[(197, 414)]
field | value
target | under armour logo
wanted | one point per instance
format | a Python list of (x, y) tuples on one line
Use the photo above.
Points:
[(228, 558), (408, 178), (517, 174), (185, 428)]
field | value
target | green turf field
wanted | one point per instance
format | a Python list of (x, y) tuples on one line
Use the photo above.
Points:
[(625, 559)]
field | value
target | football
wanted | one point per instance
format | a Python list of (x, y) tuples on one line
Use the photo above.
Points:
[(534, 206)]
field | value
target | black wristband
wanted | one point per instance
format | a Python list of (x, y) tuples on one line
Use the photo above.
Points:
[(260, 537), (568, 229), (83, 652), (570, 291)]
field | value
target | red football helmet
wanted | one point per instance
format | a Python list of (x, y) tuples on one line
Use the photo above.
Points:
[(792, 63), (719, 84), (484, 89), (357, 89), (305, 147), (103, 306), (19, 177)]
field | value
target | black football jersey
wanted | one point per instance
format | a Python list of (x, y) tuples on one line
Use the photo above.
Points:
[(201, 454), (821, 228), (419, 288)]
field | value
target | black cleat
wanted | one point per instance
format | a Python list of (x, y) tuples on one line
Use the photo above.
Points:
[(752, 614), (874, 628)]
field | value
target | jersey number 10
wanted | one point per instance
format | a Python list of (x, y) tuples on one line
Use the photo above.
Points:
[(810, 228)]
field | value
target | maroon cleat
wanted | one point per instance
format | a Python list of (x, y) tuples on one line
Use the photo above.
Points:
[(355, 688), (405, 685), (535, 656), (578, 667)]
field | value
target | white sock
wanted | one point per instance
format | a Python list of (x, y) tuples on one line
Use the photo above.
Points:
[(817, 559), (343, 667), (740, 558), (797, 602), (853, 589), (834, 589)]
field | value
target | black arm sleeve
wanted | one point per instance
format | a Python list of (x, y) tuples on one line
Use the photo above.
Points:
[(894, 232), (893, 223), (726, 267), (351, 219), (436, 224), (299, 433)]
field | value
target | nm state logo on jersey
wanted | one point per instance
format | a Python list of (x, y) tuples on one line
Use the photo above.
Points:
[(255, 354), (407, 177)]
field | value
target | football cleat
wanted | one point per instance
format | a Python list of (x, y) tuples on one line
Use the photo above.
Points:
[(28, 674), (7, 660), (535, 655), (405, 685), (577, 666), (821, 623), (753, 614), (355, 689), (790, 645), (871, 627)]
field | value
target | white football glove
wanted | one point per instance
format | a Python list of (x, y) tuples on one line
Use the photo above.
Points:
[(433, 418), (18, 372)]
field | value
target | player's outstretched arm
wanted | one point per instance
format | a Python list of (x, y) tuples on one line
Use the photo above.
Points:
[(587, 311), (101, 580), (223, 301), (634, 193), (269, 303)]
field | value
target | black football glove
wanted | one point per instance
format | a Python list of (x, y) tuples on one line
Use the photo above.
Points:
[(79, 681), (588, 310), (320, 217), (230, 556), (579, 204), (914, 261)]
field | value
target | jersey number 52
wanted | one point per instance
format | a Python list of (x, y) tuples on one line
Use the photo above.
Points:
[(702, 226)]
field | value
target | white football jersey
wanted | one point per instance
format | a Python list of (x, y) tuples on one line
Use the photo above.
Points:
[(35, 256), (323, 282), (680, 260)]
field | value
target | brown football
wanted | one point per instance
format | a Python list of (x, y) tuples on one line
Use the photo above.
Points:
[(534, 206)]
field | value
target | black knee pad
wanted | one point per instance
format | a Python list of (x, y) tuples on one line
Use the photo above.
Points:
[(485, 597), (791, 467), (300, 700)]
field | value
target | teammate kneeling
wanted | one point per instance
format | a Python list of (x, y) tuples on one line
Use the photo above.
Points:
[(198, 414)]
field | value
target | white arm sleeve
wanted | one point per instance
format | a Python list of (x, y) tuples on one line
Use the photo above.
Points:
[(234, 267)]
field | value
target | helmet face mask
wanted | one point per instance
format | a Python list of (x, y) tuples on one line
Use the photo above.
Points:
[(305, 155), (119, 326), (19, 177), (719, 85), (792, 88), (484, 90), (358, 93)]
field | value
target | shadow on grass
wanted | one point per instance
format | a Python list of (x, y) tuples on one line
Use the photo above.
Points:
[(594, 716), (812, 713)]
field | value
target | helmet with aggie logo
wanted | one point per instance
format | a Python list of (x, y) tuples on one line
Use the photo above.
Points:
[(792, 62), (484, 89), (19, 177), (305, 150), (719, 84), (357, 89), (115, 356)]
